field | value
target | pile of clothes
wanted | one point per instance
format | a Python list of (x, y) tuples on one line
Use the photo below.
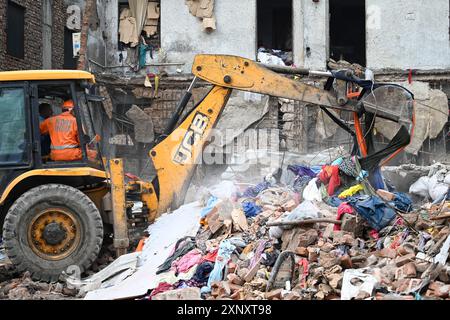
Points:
[(326, 232)]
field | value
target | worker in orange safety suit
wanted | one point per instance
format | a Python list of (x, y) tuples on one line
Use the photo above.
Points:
[(63, 131)]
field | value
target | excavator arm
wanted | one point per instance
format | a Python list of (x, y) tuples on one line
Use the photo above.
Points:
[(180, 149)]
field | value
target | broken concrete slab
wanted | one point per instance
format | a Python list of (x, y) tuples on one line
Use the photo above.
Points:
[(143, 124)]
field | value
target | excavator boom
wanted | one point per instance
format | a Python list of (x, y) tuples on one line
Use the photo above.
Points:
[(180, 149)]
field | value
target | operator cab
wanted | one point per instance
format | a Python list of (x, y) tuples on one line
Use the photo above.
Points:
[(21, 95)]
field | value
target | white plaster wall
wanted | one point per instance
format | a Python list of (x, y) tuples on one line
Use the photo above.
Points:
[(182, 35), (311, 30), (405, 34)]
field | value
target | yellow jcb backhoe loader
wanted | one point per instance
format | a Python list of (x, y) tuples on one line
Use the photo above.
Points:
[(55, 213)]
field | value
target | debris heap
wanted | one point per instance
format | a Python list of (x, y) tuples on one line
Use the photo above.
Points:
[(329, 232)]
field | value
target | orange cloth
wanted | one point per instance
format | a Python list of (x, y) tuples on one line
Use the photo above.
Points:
[(63, 133), (140, 245)]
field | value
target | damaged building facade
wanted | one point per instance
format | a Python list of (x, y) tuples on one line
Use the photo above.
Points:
[(150, 67)]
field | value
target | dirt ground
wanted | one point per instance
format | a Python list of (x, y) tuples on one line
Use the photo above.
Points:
[(15, 286)]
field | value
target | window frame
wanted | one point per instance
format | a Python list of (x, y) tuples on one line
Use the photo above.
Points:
[(22, 44), (29, 143), (60, 164)]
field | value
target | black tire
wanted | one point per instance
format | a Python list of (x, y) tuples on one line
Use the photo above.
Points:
[(17, 230)]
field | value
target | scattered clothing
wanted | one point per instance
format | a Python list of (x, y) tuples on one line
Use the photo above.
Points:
[(210, 256), (333, 201), (258, 252), (376, 179), (342, 209), (351, 191), (186, 262), (347, 166), (162, 287), (302, 171), (182, 247), (402, 202), (212, 201), (377, 214), (252, 192), (203, 272), (251, 209), (223, 256), (330, 175), (300, 183)]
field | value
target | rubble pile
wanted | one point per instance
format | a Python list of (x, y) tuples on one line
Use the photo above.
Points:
[(326, 234), (24, 288)]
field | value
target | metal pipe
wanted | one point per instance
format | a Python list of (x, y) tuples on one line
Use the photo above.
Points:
[(180, 108), (300, 71), (302, 222)]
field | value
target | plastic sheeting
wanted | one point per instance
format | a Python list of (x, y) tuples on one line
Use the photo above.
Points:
[(356, 281), (164, 233)]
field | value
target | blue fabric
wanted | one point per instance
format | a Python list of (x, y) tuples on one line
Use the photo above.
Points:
[(333, 201), (377, 214), (376, 179), (301, 182), (362, 175), (203, 272), (337, 162), (143, 48), (402, 202), (250, 209), (226, 248), (212, 201), (252, 192), (316, 169), (302, 171)]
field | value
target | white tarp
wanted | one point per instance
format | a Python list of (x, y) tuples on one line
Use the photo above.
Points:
[(164, 233)]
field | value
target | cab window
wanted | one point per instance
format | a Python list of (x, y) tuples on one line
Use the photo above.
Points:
[(14, 144)]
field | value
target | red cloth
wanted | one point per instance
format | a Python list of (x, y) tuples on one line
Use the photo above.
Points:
[(330, 175), (162, 287), (343, 208), (374, 234), (304, 266), (211, 256)]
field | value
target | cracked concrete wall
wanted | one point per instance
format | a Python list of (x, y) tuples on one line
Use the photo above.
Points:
[(311, 33), (407, 34), (183, 36)]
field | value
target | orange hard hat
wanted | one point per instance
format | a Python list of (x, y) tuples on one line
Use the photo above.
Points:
[(68, 104)]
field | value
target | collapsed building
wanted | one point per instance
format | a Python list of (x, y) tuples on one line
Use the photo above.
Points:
[(142, 75), (152, 71)]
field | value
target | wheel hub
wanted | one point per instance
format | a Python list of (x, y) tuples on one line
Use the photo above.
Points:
[(54, 233)]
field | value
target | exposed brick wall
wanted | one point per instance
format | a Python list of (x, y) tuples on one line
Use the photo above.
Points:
[(33, 36), (59, 22)]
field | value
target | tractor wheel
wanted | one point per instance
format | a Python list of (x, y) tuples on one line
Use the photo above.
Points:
[(51, 228)]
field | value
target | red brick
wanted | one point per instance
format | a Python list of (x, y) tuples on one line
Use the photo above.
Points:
[(302, 251), (387, 253), (401, 261), (386, 195), (274, 294), (409, 270)]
